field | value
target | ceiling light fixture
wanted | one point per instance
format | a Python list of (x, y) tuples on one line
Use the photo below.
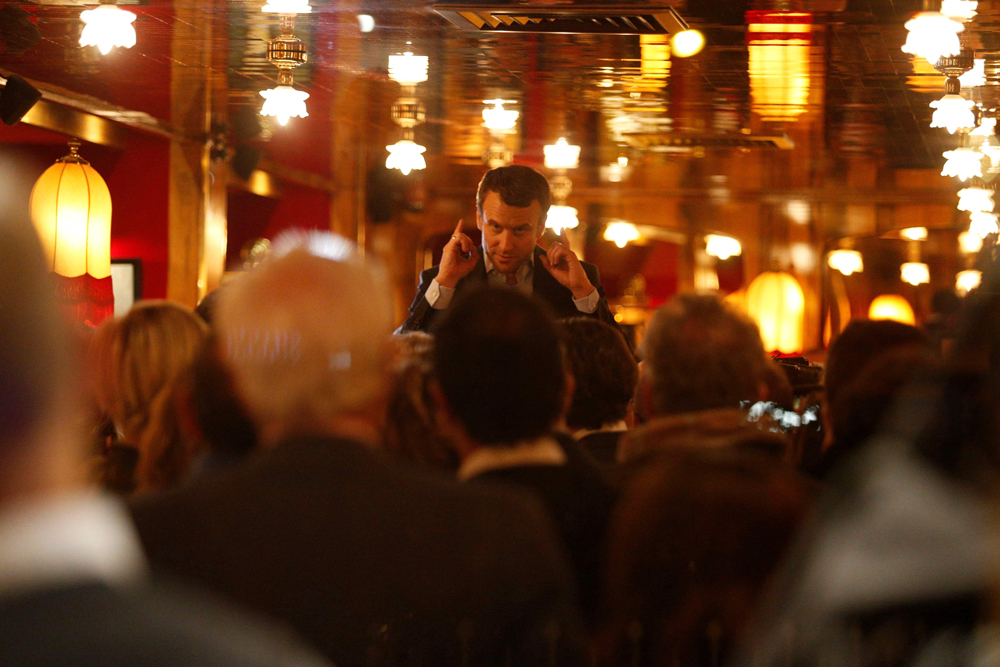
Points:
[(953, 112), (406, 156), (846, 261), (366, 23), (286, 52), (915, 273), (561, 217), (914, 233), (284, 102), (687, 43), (408, 69), (970, 243), (561, 155), (107, 26), (975, 198), (963, 163), (722, 247), (286, 7), (621, 233), (983, 224), (959, 10), (498, 120), (966, 281), (976, 76), (932, 36)]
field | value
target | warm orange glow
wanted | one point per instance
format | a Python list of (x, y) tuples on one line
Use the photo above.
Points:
[(776, 302), (891, 307), (778, 45), (71, 210)]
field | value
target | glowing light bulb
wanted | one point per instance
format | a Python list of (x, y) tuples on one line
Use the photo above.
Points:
[(970, 243), (687, 43), (846, 261), (983, 224), (561, 217), (497, 119), (959, 10), (966, 281), (405, 156), (953, 112), (107, 26), (975, 199), (621, 232), (366, 23), (915, 273), (985, 137), (932, 35), (914, 233), (286, 7), (975, 76), (561, 155), (722, 247), (963, 163), (408, 69), (283, 103)]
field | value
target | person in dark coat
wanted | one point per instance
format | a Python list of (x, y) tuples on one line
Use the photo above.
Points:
[(373, 562), (511, 205)]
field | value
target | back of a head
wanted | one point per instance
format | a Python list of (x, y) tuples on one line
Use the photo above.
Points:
[(860, 342), (701, 353), (307, 340), (693, 540), (604, 370), (498, 360), (34, 360)]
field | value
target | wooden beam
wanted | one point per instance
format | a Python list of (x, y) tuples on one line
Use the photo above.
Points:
[(75, 123)]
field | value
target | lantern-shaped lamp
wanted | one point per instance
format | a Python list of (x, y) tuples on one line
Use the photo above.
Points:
[(891, 307), (776, 302), (71, 211)]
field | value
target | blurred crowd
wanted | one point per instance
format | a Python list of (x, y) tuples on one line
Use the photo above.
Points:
[(278, 479)]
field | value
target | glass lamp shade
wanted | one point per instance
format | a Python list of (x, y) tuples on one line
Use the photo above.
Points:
[(846, 261), (983, 224), (975, 199), (620, 233), (405, 156), (284, 102), (561, 217), (966, 281), (960, 10), (963, 164), (722, 247), (891, 307), (932, 35), (970, 243), (71, 211), (777, 304), (954, 113), (497, 119), (408, 69), (561, 155), (107, 26), (975, 76), (915, 273), (286, 7)]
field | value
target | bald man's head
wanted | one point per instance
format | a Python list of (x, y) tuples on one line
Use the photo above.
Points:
[(307, 340)]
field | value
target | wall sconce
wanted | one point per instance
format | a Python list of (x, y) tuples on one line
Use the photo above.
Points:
[(621, 233), (107, 26), (722, 247), (71, 210), (561, 217)]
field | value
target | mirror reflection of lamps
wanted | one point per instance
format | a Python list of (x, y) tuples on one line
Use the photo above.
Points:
[(500, 122), (932, 35), (286, 52), (778, 44), (621, 233), (915, 273), (891, 307), (71, 211), (722, 247), (847, 262), (561, 157), (777, 304), (966, 281), (107, 26), (953, 111), (407, 70)]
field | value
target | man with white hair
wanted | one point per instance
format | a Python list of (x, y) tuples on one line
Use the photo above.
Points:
[(367, 560), (74, 585)]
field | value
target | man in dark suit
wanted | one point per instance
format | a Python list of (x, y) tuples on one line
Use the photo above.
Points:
[(502, 387), (374, 563), (74, 588), (511, 204)]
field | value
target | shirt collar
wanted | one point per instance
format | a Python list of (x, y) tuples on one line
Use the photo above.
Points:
[(521, 271), (544, 451), (68, 539), (611, 427)]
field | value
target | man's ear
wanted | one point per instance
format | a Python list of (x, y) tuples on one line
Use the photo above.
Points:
[(540, 231), (479, 218)]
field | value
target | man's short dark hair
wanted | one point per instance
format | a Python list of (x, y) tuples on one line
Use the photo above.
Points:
[(860, 342), (701, 354), (605, 372), (498, 360), (517, 185)]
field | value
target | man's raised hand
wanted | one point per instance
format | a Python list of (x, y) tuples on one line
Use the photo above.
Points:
[(458, 259), (565, 267)]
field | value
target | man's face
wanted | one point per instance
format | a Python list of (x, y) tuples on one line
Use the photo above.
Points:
[(509, 232)]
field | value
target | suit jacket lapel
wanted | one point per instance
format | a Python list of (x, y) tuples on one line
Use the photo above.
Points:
[(478, 274), (546, 287)]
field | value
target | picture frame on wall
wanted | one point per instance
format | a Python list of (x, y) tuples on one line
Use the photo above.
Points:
[(126, 281)]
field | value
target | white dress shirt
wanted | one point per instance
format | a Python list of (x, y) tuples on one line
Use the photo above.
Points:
[(544, 451), (439, 297), (67, 539)]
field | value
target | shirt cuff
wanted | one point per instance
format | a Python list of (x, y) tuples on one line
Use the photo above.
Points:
[(439, 296), (587, 304)]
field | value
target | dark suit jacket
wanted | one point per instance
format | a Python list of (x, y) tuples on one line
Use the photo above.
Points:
[(580, 501), (603, 446), (544, 286), (371, 562), (92, 625)]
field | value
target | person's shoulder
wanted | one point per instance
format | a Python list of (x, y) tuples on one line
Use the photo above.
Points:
[(150, 624)]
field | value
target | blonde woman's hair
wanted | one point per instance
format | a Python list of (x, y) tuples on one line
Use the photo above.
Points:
[(144, 358)]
